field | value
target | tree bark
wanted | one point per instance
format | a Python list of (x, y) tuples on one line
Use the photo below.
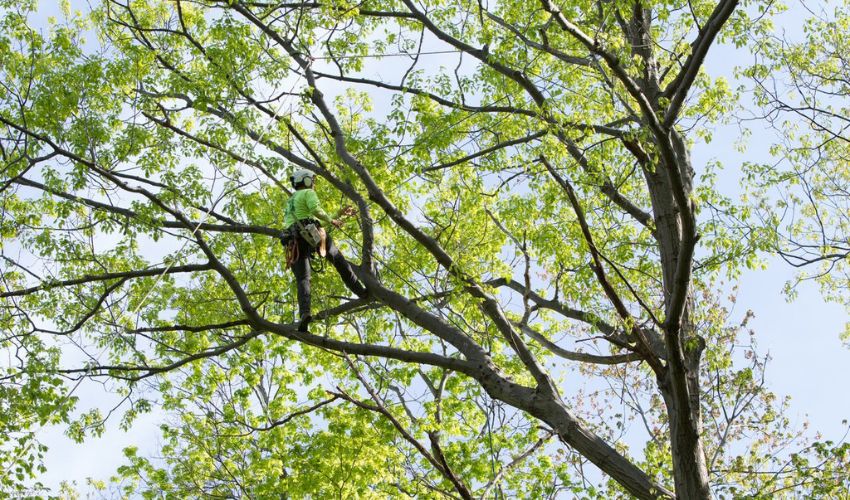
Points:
[(549, 408), (690, 473), (679, 385)]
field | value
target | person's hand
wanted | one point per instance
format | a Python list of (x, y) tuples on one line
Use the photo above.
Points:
[(337, 223)]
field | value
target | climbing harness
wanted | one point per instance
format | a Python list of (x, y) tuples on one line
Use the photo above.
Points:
[(290, 245)]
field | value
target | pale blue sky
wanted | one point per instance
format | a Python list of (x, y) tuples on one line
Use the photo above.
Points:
[(802, 337)]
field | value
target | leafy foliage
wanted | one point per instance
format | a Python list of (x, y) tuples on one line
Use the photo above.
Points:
[(528, 219)]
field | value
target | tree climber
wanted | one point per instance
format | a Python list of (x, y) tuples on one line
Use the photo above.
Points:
[(304, 235)]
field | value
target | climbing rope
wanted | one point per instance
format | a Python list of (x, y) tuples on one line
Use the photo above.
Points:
[(198, 226), (392, 54)]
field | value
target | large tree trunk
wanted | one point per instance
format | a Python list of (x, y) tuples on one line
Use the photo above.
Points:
[(689, 469), (679, 384)]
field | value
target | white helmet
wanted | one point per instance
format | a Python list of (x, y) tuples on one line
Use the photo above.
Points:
[(303, 177)]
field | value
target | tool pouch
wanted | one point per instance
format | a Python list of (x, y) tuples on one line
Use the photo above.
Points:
[(311, 233)]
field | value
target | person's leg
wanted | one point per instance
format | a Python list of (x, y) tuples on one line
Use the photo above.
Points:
[(344, 269), (301, 269)]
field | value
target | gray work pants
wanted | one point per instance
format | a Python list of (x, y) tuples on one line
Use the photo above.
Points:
[(301, 269)]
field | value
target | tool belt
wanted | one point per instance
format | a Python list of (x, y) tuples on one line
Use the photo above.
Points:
[(308, 230), (311, 232)]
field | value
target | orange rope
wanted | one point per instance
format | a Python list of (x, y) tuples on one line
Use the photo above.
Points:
[(291, 253)]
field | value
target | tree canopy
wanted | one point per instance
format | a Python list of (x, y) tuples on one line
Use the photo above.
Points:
[(540, 254)]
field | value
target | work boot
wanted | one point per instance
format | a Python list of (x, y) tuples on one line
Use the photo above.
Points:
[(285, 237), (305, 322), (360, 291)]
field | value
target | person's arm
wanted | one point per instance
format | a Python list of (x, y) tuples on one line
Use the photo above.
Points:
[(312, 201)]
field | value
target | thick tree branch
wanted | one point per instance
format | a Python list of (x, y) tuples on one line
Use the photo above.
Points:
[(486, 151), (170, 224), (585, 317), (292, 416), (613, 62), (405, 89), (149, 371), (644, 346), (579, 356), (120, 275), (678, 89)]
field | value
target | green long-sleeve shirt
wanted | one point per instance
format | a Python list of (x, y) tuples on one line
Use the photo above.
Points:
[(304, 204)]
